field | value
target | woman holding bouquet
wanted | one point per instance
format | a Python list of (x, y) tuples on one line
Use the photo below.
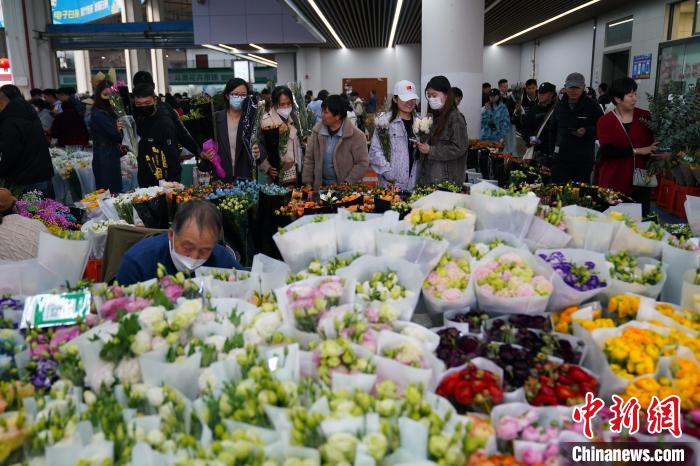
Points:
[(391, 154), (279, 149), (444, 156), (106, 141)]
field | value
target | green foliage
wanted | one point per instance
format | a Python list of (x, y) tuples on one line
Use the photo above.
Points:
[(675, 121)]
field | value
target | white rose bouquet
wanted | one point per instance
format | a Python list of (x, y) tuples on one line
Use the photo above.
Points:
[(381, 123)]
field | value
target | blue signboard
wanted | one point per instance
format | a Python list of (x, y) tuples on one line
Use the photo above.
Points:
[(82, 11), (641, 66)]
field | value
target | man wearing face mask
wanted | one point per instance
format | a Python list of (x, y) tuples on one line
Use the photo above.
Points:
[(190, 243), (159, 155)]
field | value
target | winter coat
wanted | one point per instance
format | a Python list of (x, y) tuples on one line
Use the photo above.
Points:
[(244, 161), (350, 158), (495, 122), (534, 118), (397, 168), (447, 159), (617, 160), (106, 155), (24, 153), (69, 128), (567, 146), (159, 154)]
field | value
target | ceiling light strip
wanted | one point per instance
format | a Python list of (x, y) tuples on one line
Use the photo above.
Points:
[(395, 23), (214, 47), (262, 58), (326, 23), (257, 47), (233, 49), (531, 28), (620, 22)]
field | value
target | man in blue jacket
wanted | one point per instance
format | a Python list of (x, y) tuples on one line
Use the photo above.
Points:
[(190, 243)]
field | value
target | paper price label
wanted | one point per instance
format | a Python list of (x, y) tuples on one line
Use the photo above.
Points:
[(50, 310)]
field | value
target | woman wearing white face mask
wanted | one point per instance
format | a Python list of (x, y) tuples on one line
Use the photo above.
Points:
[(444, 157), (279, 150), (234, 126)]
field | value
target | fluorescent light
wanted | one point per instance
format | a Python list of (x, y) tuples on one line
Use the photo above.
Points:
[(620, 22), (214, 47), (399, 4), (257, 47), (525, 31), (272, 62), (326, 23), (233, 49), (262, 61)]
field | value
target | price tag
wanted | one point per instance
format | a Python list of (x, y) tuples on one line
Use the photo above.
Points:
[(50, 310)]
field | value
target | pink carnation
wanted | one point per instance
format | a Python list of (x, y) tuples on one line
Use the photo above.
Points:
[(507, 428), (552, 451), (481, 273), (369, 341), (532, 456), (173, 292), (40, 351)]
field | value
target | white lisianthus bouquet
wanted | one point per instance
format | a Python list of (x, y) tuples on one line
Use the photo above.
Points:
[(381, 123), (421, 127)]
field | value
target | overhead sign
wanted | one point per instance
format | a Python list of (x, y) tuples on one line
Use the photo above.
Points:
[(641, 66), (82, 11)]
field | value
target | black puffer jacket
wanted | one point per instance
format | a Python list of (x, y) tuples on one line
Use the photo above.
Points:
[(566, 120), (24, 154)]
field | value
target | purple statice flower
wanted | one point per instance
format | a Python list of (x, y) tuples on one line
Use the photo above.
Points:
[(45, 374), (579, 277)]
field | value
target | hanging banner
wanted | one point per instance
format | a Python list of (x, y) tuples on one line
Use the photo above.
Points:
[(82, 11), (641, 66)]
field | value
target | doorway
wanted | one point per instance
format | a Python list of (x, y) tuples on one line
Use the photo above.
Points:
[(615, 65)]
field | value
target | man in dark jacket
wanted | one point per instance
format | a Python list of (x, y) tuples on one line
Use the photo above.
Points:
[(535, 118), (573, 133), (24, 155), (159, 155)]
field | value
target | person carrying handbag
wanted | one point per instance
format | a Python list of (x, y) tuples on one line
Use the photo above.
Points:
[(535, 130), (626, 145)]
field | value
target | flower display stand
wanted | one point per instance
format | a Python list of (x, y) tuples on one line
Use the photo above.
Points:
[(664, 193), (678, 208)]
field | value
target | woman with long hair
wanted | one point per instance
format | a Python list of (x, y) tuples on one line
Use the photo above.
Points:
[(234, 129), (279, 149), (391, 154), (106, 140), (444, 157)]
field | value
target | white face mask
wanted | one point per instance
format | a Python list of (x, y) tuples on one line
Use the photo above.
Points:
[(284, 112), (184, 263), (435, 103)]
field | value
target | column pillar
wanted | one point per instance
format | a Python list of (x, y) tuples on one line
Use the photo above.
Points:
[(453, 46), (136, 59), (308, 63), (83, 76), (286, 68), (158, 64)]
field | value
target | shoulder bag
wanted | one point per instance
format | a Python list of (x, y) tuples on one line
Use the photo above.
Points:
[(641, 177), (530, 151)]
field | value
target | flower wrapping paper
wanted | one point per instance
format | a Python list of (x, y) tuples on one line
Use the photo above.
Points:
[(511, 214), (544, 235), (306, 241), (467, 296), (626, 239), (651, 291), (418, 250), (593, 235)]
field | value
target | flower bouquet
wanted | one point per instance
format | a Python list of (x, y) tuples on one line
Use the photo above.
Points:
[(228, 283), (235, 212), (580, 276), (589, 229), (415, 247), (500, 210), (465, 320), (512, 282), (486, 240), (637, 238), (559, 385), (319, 269), (629, 274), (356, 231), (341, 356), (456, 348), (548, 230), (422, 127), (690, 292), (130, 138), (679, 255), (381, 126), (96, 233), (455, 225), (273, 273), (475, 386), (404, 361), (382, 280), (310, 237), (449, 285)]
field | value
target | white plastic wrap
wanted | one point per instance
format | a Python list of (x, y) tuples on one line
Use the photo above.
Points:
[(692, 213), (424, 336), (652, 291), (593, 235), (64, 258), (511, 214), (564, 295), (410, 277), (500, 305), (360, 236), (442, 200), (486, 236), (678, 262), (305, 241), (632, 210), (458, 233), (241, 288), (424, 252), (467, 296), (626, 239), (183, 375), (690, 294), (544, 235), (273, 273)]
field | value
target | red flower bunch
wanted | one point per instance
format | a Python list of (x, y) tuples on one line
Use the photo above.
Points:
[(471, 389), (559, 384)]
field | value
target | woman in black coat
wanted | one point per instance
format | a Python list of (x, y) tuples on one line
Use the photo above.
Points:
[(106, 141)]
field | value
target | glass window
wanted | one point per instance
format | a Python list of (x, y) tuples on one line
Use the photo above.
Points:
[(679, 66), (681, 19), (619, 31)]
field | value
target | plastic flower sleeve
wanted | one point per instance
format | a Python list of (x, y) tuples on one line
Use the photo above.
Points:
[(424, 252), (647, 313), (442, 200), (544, 235), (652, 291), (183, 376), (626, 239), (466, 298), (565, 295), (350, 382), (690, 293), (424, 336), (226, 306), (404, 375), (307, 242), (357, 236), (593, 234), (268, 436), (517, 305), (279, 452), (65, 258), (414, 438), (448, 321), (244, 284), (410, 277), (350, 425), (143, 455), (678, 262), (458, 233), (273, 273), (284, 362), (524, 450), (692, 212), (511, 214)]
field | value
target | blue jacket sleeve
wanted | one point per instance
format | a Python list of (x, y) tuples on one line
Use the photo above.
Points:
[(129, 272), (503, 122), (107, 126)]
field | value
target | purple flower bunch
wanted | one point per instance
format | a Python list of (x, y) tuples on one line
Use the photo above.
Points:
[(45, 373), (456, 348), (581, 277), (48, 211)]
